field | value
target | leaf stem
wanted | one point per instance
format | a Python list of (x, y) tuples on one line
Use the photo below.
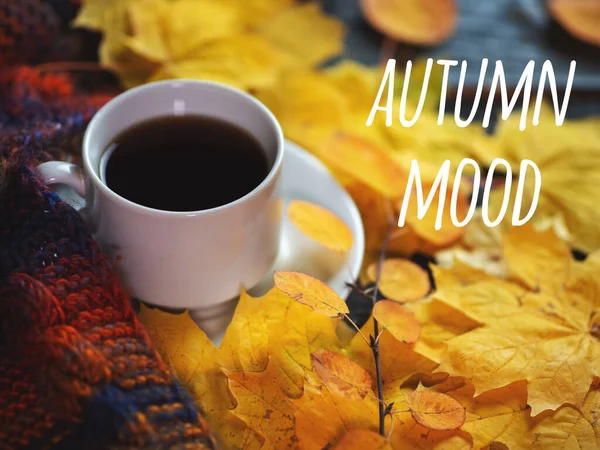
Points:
[(347, 317), (378, 336), (375, 398), (358, 290), (389, 436)]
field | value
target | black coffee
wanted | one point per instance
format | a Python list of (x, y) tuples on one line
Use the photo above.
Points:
[(185, 163)]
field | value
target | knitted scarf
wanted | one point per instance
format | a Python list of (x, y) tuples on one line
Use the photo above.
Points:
[(77, 369)]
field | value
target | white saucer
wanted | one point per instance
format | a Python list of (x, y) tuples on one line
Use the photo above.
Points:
[(304, 177)]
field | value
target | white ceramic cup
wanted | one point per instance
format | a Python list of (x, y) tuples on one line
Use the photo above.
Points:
[(196, 259)]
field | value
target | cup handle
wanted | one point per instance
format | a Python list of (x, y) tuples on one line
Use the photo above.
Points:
[(60, 172)]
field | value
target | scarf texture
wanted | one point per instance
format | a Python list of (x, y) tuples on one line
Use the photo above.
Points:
[(77, 369)]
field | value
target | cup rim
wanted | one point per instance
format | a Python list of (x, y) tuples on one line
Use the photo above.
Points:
[(113, 103)]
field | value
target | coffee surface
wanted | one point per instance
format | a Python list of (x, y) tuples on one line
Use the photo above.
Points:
[(185, 163)]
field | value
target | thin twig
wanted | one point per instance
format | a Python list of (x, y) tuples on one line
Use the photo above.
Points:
[(347, 317), (375, 340), (358, 290), (368, 291)]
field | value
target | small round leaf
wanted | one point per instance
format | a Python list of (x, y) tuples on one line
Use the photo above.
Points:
[(422, 22), (399, 321), (321, 225), (341, 375), (401, 280), (436, 411), (311, 292)]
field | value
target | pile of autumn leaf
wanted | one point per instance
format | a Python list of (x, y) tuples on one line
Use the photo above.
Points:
[(503, 352), (480, 363)]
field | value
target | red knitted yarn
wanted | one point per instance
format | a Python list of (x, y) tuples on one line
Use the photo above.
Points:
[(27, 29), (77, 370)]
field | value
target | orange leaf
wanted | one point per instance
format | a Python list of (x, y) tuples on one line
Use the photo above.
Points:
[(581, 18), (321, 225), (416, 21), (401, 280), (399, 321), (311, 292), (436, 411), (366, 162), (363, 440), (341, 375)]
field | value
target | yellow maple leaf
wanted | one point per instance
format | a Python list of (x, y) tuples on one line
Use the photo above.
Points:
[(474, 300), (356, 81), (193, 358), (536, 259), (439, 323), (257, 12), (544, 337), (340, 98), (280, 372), (499, 416), (263, 404), (245, 346), (269, 338), (480, 247), (274, 326), (226, 41), (304, 32), (281, 378), (569, 428), (569, 160), (103, 15), (322, 417), (458, 273), (361, 439), (240, 60), (305, 106)]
